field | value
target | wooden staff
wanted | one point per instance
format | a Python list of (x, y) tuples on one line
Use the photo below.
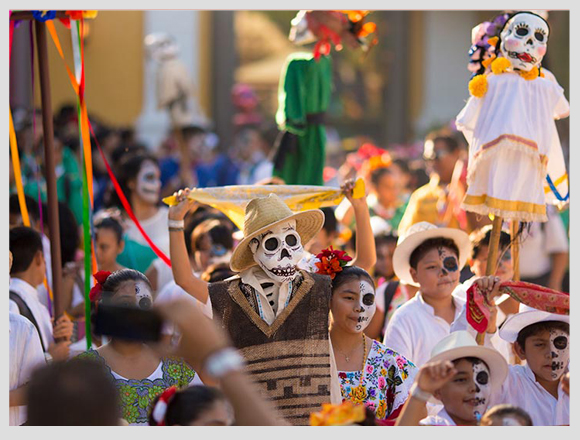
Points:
[(492, 258), (49, 161), (515, 248)]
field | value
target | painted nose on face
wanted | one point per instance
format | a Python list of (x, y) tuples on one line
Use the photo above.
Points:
[(554, 355), (530, 42), (284, 254)]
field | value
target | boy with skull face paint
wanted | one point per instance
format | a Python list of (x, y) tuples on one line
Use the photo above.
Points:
[(461, 375), (276, 315), (542, 339)]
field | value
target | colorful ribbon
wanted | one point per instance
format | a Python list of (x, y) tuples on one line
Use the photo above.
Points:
[(533, 295)]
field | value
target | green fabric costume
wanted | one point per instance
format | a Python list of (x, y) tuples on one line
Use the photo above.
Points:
[(303, 97)]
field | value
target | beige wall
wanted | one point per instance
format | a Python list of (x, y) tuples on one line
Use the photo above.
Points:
[(113, 67)]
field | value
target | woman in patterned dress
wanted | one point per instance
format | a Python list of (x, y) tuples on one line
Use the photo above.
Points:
[(368, 371), (138, 371)]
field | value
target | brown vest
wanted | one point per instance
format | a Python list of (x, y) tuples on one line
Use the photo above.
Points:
[(289, 360)]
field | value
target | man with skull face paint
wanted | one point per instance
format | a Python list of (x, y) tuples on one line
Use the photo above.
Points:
[(461, 375), (276, 314), (509, 123), (542, 339)]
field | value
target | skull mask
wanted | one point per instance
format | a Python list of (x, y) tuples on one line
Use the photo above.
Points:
[(481, 378), (560, 347), (278, 251), (524, 41)]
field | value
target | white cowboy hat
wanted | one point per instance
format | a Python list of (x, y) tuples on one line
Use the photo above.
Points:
[(264, 213), (416, 235), (527, 316), (460, 344)]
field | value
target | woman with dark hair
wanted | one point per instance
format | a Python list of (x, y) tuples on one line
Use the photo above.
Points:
[(368, 371), (139, 373), (198, 405), (139, 178)]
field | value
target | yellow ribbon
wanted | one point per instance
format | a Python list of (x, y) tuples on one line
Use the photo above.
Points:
[(232, 200), (17, 172)]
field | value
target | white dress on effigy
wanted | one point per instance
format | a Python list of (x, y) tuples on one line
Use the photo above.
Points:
[(513, 146)]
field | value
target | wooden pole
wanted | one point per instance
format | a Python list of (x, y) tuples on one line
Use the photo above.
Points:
[(515, 248), (492, 258), (49, 161)]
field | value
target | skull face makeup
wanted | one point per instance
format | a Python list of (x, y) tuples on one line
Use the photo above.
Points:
[(482, 383), (559, 344), (278, 251), (367, 305), (143, 297), (449, 261), (524, 41), (148, 184)]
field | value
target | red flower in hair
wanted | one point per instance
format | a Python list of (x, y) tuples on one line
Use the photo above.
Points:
[(101, 277), (331, 261)]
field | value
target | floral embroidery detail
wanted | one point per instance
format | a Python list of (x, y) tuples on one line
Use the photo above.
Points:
[(388, 376), (136, 396)]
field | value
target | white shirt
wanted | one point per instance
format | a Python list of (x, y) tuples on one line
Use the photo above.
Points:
[(25, 355), (30, 296), (542, 240), (521, 389), (441, 419), (414, 329), (155, 227), (42, 292)]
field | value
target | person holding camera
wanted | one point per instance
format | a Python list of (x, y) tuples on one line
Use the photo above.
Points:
[(139, 372)]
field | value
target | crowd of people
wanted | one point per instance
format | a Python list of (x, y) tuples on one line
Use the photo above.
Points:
[(387, 329), (359, 313)]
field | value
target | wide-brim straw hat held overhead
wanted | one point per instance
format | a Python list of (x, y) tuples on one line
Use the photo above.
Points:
[(262, 214)]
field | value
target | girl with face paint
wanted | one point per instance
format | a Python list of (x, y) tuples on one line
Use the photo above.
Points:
[(369, 372), (139, 178), (140, 374)]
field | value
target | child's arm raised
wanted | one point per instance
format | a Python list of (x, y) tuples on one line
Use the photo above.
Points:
[(366, 255), (430, 378), (180, 266)]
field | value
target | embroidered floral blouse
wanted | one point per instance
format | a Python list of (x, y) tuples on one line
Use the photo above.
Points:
[(386, 381), (138, 395)]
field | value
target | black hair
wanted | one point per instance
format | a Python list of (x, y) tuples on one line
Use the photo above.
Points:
[(25, 243), (479, 239), (192, 130), (217, 272), (118, 277), (403, 164), (79, 392), (539, 327), (330, 223), (349, 273), (503, 410), (377, 174), (127, 170), (471, 359), (112, 224), (450, 142), (187, 405), (385, 239), (31, 207), (429, 244), (69, 233)]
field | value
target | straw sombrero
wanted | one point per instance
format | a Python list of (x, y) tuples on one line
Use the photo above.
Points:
[(526, 316), (460, 344), (266, 212), (416, 235)]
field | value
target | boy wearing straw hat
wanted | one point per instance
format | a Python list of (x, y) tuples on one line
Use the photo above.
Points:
[(461, 375), (276, 314), (431, 258), (542, 339)]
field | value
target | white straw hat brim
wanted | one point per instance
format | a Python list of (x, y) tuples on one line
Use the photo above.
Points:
[(514, 324)]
